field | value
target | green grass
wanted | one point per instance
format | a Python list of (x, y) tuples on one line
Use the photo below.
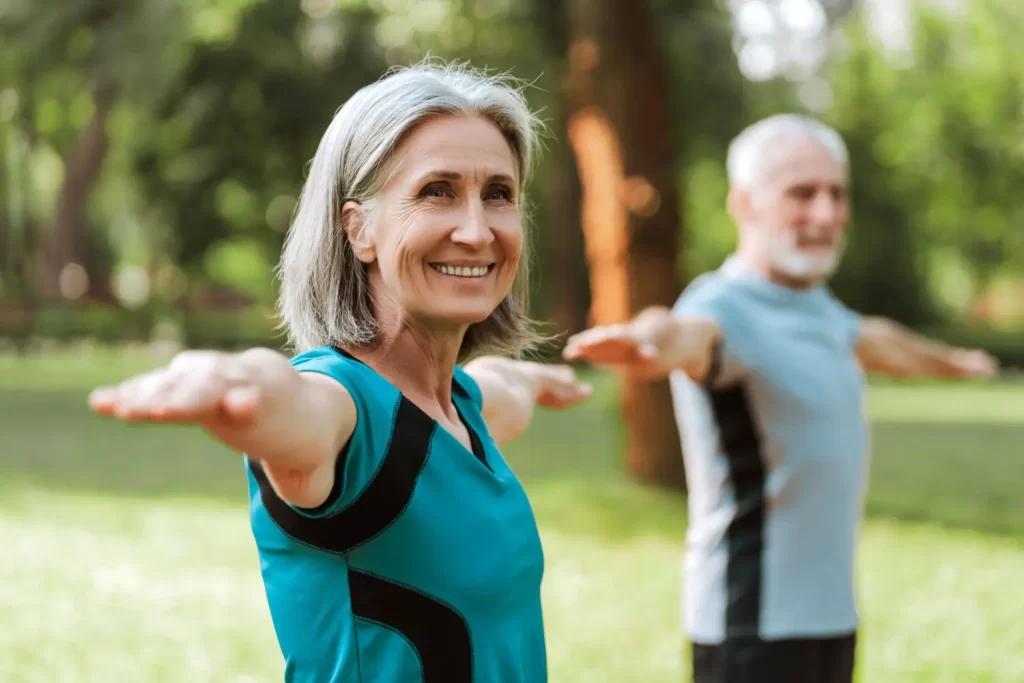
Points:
[(127, 554)]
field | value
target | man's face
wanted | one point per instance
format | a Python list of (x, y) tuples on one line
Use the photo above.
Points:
[(795, 215)]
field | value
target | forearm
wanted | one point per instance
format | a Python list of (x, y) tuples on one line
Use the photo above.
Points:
[(889, 348)]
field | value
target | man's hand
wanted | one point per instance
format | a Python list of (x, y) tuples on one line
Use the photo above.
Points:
[(653, 345), (971, 364), (616, 346)]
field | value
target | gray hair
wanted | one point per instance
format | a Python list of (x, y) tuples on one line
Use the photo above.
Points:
[(325, 294), (747, 151)]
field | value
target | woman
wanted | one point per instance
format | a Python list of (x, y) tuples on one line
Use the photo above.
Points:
[(395, 543)]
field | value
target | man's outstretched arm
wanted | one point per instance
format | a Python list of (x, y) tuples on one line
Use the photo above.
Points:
[(886, 347), (652, 345)]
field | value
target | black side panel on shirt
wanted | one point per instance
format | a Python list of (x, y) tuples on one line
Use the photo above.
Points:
[(381, 502), (745, 535), (439, 633)]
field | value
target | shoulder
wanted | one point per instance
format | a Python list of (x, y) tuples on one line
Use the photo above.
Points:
[(376, 399), (714, 295), (378, 420), (357, 377), (849, 321), (325, 359)]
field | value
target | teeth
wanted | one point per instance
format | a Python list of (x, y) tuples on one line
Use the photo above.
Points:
[(462, 271)]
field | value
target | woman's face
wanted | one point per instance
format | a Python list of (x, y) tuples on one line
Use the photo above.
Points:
[(445, 238)]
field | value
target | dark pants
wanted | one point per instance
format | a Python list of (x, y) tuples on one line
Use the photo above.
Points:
[(752, 660)]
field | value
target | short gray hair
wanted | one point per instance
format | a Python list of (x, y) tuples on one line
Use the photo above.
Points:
[(325, 295), (747, 151)]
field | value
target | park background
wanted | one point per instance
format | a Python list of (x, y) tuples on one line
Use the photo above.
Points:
[(151, 152)]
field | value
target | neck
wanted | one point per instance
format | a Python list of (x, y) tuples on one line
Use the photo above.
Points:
[(418, 360)]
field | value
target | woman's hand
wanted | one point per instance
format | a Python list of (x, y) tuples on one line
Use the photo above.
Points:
[(256, 403)]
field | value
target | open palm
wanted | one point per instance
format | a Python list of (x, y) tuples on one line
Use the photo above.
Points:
[(615, 346), (559, 387)]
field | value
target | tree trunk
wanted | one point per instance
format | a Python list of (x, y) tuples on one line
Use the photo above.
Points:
[(81, 171), (568, 304), (620, 131)]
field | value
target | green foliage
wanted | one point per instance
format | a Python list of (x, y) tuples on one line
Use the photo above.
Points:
[(221, 103), (936, 143), (235, 330), (1006, 345), (243, 265), (230, 142), (68, 323)]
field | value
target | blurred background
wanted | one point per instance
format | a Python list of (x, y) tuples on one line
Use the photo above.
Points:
[(151, 153)]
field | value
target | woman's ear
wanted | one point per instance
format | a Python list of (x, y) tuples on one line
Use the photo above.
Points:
[(354, 223)]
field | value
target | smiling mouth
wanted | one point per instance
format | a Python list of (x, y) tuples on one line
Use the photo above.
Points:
[(462, 271), (816, 245)]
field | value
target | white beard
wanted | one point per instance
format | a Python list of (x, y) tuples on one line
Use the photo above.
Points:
[(788, 258)]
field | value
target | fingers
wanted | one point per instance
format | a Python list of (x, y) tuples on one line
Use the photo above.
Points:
[(977, 364), (593, 336), (103, 400), (564, 396), (193, 388), (612, 344), (126, 400), (556, 373), (971, 364), (560, 387)]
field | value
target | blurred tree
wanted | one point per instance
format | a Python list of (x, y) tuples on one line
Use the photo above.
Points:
[(934, 127), (142, 135), (563, 266), (233, 137), (69, 68), (620, 130), (700, 43)]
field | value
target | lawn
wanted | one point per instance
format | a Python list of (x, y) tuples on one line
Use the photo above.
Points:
[(127, 554)]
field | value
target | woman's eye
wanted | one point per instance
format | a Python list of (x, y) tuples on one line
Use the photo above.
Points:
[(436, 191), (501, 194)]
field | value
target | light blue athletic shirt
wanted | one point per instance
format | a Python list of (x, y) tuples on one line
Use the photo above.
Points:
[(776, 447)]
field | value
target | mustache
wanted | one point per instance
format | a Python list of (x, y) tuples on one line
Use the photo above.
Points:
[(818, 239), (816, 243)]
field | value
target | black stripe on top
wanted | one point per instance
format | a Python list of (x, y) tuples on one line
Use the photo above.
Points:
[(745, 535), (476, 445), (438, 633), (381, 502)]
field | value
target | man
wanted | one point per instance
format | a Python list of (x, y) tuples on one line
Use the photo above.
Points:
[(766, 372)]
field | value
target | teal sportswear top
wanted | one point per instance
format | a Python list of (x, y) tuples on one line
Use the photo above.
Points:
[(424, 564)]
